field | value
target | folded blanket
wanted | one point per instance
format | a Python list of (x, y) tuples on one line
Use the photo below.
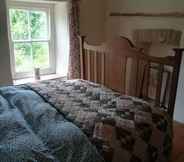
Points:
[(33, 131)]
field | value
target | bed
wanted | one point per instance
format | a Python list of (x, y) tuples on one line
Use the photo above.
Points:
[(94, 118)]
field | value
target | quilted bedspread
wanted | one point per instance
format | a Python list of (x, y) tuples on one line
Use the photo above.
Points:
[(130, 128), (31, 130)]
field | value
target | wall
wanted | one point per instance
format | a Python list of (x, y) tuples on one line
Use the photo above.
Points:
[(92, 25), (62, 38), (92, 19), (5, 72), (125, 25)]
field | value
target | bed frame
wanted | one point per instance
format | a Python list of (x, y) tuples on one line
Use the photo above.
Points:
[(119, 65)]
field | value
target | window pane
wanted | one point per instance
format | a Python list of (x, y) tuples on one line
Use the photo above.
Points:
[(19, 24), (23, 58), (41, 54), (38, 25)]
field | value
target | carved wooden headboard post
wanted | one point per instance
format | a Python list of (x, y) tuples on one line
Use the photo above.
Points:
[(82, 62), (175, 78)]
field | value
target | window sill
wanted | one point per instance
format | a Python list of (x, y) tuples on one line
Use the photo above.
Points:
[(32, 80)]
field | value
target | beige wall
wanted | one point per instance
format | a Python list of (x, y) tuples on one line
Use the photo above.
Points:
[(92, 19), (146, 6), (125, 25), (5, 72)]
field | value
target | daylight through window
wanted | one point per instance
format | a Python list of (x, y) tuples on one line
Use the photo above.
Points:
[(31, 40)]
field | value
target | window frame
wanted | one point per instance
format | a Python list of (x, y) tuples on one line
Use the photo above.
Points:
[(34, 6)]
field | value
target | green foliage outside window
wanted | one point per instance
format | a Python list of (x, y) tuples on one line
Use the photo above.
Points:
[(29, 32)]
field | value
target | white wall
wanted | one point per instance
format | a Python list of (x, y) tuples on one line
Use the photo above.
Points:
[(125, 25), (5, 72), (62, 38)]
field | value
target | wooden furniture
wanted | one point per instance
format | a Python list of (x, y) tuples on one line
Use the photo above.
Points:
[(119, 65)]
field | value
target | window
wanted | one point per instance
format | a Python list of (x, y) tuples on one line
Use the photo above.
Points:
[(32, 44)]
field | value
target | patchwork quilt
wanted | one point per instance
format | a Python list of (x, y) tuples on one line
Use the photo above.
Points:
[(122, 128)]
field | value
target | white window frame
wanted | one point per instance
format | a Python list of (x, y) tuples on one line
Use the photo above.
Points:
[(49, 9)]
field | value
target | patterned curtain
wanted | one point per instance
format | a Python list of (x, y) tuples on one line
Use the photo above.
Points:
[(74, 56)]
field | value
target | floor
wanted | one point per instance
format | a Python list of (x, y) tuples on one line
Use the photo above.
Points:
[(178, 143)]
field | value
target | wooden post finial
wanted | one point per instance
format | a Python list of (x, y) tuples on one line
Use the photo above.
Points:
[(178, 50), (82, 63)]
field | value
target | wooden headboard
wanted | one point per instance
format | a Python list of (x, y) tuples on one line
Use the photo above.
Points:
[(119, 65)]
